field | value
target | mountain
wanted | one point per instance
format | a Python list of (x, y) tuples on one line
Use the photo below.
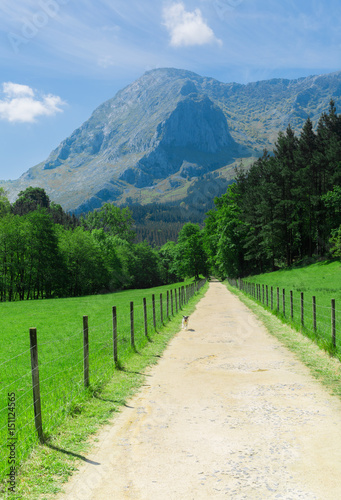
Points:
[(174, 136)]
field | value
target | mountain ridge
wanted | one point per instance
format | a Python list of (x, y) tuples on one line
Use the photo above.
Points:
[(157, 136)]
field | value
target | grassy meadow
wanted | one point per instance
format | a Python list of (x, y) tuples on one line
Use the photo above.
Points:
[(59, 324), (321, 280)]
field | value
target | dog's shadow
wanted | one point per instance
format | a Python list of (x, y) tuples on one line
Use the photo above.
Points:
[(190, 330)]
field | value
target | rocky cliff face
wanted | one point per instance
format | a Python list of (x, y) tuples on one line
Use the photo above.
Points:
[(157, 136), (188, 142)]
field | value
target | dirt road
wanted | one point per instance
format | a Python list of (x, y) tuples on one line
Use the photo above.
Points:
[(227, 413)]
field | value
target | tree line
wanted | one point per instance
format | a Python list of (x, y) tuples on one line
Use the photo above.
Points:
[(45, 252), (285, 208)]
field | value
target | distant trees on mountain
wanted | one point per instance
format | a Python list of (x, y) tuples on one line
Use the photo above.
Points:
[(157, 223), (287, 206)]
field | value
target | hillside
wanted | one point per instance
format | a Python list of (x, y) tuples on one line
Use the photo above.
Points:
[(161, 138)]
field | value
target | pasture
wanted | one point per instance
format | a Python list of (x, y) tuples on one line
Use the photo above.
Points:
[(59, 324), (321, 280)]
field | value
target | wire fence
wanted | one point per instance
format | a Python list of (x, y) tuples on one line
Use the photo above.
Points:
[(318, 321), (43, 384)]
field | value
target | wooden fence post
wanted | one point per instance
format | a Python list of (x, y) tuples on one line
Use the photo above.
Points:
[(172, 305), (283, 301), (314, 312), (333, 323), (35, 384), (291, 305), (267, 296), (277, 299), (114, 333), (176, 301), (132, 333), (167, 310), (302, 309), (154, 318), (145, 317), (272, 298), (86, 351), (161, 308)]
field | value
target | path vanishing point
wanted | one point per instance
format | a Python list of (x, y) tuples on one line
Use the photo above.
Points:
[(228, 412)]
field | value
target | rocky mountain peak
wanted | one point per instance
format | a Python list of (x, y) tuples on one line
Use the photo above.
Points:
[(170, 129)]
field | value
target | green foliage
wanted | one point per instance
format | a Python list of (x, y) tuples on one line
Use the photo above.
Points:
[(113, 220), (223, 235), (32, 199), (5, 206), (46, 253), (169, 270), (335, 241), (191, 257), (284, 208), (142, 264), (29, 200), (86, 272), (29, 259), (44, 266)]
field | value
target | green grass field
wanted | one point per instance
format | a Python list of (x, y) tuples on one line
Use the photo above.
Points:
[(59, 324), (321, 280)]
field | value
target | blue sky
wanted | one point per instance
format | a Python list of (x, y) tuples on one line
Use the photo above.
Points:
[(60, 59)]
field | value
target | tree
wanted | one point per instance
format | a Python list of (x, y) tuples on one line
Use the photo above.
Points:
[(86, 271), (143, 266), (191, 256), (306, 191), (225, 232), (108, 246), (44, 265), (256, 198), (5, 206), (113, 220), (13, 253), (335, 242), (332, 201), (169, 271), (59, 216), (285, 155), (29, 200)]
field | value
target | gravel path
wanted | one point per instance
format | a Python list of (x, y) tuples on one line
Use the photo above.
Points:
[(227, 413)]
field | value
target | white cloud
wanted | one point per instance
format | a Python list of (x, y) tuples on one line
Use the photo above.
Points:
[(187, 28), (21, 105), (15, 89)]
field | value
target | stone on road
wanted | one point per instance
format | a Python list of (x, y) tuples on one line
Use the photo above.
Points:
[(228, 412)]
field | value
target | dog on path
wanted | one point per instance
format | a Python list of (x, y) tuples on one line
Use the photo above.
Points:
[(185, 322)]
